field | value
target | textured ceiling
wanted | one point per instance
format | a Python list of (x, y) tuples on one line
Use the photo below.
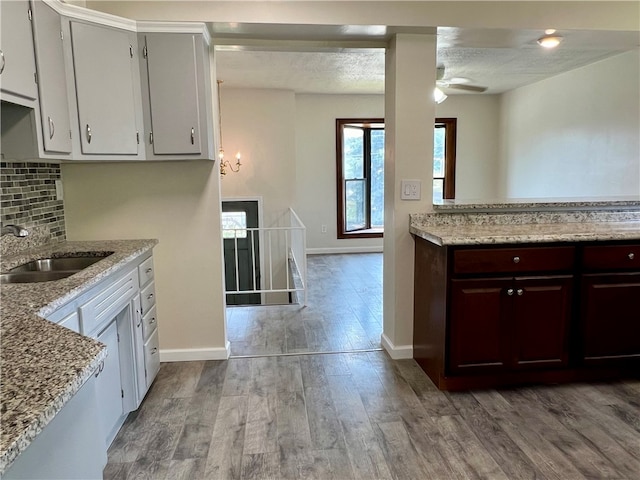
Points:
[(344, 60)]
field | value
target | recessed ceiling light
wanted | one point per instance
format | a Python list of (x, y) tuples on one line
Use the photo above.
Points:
[(550, 41)]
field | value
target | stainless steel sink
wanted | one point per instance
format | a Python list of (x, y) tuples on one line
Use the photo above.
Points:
[(48, 269), (57, 264), (34, 277)]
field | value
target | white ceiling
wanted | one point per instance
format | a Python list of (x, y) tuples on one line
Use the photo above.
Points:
[(350, 59)]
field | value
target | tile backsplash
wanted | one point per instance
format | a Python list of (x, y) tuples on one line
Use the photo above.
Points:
[(28, 197)]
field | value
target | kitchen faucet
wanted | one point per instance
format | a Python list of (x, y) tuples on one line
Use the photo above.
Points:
[(15, 230)]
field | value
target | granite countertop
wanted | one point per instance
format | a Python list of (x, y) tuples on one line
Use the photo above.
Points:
[(546, 204), (43, 364), (533, 227)]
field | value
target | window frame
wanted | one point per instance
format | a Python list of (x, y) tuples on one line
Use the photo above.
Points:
[(449, 180), (369, 232)]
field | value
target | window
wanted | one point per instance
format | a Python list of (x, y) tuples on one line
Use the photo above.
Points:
[(234, 224), (360, 174), (444, 159)]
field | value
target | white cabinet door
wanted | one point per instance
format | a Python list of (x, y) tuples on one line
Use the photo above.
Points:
[(52, 79), (17, 63), (104, 79), (108, 383), (172, 60)]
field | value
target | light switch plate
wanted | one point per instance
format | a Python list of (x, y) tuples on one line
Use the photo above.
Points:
[(59, 191), (410, 189)]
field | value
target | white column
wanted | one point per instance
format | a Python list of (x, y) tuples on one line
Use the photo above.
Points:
[(409, 122)]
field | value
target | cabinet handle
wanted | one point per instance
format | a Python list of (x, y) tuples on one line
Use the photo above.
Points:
[(1, 62), (631, 256), (152, 321), (148, 270), (510, 292), (155, 349), (100, 368), (139, 314), (520, 292), (150, 296), (88, 133), (193, 135), (52, 128), (516, 259)]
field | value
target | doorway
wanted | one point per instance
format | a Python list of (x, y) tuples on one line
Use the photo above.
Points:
[(241, 251)]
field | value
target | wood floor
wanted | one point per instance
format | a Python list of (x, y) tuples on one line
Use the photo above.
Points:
[(362, 415), (343, 312)]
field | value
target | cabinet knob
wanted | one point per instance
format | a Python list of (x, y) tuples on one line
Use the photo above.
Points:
[(631, 256), (150, 296), (152, 321), (155, 349), (510, 292), (1, 61), (516, 259), (149, 270), (520, 292), (88, 133)]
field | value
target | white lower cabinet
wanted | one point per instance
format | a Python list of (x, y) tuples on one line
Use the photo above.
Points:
[(109, 384)]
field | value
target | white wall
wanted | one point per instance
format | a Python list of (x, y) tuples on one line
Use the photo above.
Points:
[(315, 142), (477, 143), (260, 123), (177, 203), (574, 135)]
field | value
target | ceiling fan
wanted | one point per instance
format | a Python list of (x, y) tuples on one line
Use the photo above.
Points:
[(455, 83)]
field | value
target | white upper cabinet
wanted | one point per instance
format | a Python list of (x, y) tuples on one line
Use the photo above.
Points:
[(176, 92), (105, 83), (52, 79), (17, 63)]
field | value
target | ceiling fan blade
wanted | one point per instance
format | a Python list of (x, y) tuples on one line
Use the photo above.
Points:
[(462, 86)]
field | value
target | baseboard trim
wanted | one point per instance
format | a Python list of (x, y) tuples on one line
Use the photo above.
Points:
[(399, 352), (335, 250), (193, 354)]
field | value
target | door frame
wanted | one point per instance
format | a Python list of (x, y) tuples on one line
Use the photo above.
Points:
[(260, 225)]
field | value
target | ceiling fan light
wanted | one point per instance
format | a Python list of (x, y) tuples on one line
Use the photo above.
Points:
[(438, 95), (549, 41)]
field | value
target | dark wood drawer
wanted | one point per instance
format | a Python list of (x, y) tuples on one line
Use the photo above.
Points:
[(513, 260), (612, 257)]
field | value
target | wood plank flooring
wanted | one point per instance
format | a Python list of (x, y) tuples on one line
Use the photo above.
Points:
[(365, 416), (343, 312)]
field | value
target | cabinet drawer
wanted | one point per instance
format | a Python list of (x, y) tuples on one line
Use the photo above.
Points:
[(149, 323), (145, 271), (152, 357), (104, 306), (612, 257), (148, 297), (513, 260)]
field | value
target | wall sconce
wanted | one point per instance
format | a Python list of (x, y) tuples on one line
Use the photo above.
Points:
[(224, 164)]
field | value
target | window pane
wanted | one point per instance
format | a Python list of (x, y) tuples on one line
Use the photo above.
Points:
[(377, 178), (234, 220), (353, 152), (355, 199), (439, 135), (438, 186)]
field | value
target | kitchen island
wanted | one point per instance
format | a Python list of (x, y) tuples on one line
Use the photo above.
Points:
[(44, 365), (505, 297)]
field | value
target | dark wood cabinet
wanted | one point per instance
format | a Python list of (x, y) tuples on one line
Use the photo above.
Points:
[(507, 314)]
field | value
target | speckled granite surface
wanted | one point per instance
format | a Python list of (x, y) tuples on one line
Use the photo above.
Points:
[(42, 364), (531, 227), (519, 204)]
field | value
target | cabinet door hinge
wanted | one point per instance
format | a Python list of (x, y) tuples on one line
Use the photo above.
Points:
[(122, 393), (144, 51), (35, 77), (61, 35), (138, 138), (70, 134), (151, 138), (145, 373), (29, 14), (118, 335), (131, 50)]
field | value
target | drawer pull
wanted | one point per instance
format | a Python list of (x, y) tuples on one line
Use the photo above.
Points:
[(520, 292), (631, 256), (510, 292), (150, 296), (99, 369), (154, 350), (148, 270), (516, 259)]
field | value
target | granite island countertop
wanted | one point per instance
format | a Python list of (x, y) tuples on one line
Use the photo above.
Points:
[(531, 227), (43, 364)]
